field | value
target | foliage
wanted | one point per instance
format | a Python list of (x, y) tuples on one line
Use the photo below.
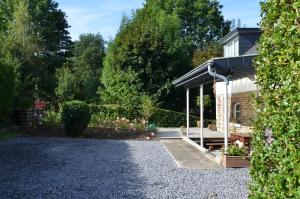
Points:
[(66, 84), (8, 135), (168, 118), (234, 150), (201, 21), (119, 124), (160, 117), (111, 112), (88, 63), (151, 128), (201, 56), (7, 90), (206, 100), (146, 55), (275, 167), (35, 39), (75, 116), (148, 107), (51, 118)]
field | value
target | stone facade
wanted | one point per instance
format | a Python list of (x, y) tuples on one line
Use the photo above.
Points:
[(247, 112)]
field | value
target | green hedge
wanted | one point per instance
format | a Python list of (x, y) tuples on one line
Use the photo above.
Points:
[(160, 117), (168, 118), (275, 166), (114, 111), (75, 116)]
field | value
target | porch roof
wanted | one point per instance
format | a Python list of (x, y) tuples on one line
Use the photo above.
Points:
[(231, 67)]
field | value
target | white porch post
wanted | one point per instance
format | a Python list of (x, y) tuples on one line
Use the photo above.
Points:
[(187, 112), (226, 117), (201, 115)]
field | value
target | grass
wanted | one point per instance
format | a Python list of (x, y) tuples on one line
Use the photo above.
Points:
[(8, 135)]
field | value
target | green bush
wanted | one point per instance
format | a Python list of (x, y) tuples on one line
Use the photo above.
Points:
[(151, 128), (51, 118), (236, 151), (275, 165), (111, 112), (75, 116), (168, 118), (7, 90), (160, 117)]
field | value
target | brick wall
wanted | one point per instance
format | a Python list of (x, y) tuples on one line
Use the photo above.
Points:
[(247, 112)]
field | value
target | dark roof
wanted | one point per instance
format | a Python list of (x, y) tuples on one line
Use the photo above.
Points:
[(232, 67), (238, 31)]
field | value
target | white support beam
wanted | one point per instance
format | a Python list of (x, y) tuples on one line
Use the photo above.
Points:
[(226, 116), (201, 115), (187, 112)]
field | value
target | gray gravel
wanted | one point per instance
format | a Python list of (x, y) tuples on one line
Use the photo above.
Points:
[(86, 168)]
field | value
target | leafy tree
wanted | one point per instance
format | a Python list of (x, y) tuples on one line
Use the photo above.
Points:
[(34, 36), (200, 56), (275, 169), (89, 53), (201, 20), (151, 48), (67, 84), (7, 89)]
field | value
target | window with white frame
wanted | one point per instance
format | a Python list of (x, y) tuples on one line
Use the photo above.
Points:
[(237, 111), (231, 49)]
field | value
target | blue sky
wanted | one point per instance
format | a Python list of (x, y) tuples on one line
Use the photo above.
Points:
[(103, 16)]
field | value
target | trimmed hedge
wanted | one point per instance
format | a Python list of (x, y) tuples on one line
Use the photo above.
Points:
[(160, 117), (76, 116), (275, 165), (114, 111), (168, 118)]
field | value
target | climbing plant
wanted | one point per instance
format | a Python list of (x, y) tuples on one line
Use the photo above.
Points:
[(275, 169)]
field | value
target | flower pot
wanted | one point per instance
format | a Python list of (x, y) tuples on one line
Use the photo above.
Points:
[(235, 161)]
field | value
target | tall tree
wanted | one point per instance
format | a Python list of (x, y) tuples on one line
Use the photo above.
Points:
[(201, 21), (149, 46), (79, 78), (89, 53), (36, 38)]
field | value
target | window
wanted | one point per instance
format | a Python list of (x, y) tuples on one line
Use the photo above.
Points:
[(236, 48), (237, 112), (231, 49)]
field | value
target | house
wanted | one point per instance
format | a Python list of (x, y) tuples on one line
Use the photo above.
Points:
[(233, 77)]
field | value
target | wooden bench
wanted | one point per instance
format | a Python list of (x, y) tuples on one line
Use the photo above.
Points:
[(213, 144)]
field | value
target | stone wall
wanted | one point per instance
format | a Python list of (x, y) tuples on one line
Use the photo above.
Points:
[(247, 112)]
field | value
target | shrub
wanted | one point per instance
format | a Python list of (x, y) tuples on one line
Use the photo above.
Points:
[(7, 90), (151, 128), (236, 151), (51, 118), (75, 116), (275, 164), (113, 111), (160, 117), (168, 118)]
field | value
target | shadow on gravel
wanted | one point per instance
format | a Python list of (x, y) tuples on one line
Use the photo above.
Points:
[(68, 168)]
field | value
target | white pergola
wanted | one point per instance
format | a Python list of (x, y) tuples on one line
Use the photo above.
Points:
[(217, 69), (201, 115)]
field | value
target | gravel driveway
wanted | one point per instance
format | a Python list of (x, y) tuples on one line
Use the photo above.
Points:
[(86, 168)]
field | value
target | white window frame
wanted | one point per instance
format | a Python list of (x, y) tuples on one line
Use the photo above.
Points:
[(235, 111)]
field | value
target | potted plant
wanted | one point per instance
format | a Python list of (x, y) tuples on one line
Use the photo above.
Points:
[(151, 129), (236, 157)]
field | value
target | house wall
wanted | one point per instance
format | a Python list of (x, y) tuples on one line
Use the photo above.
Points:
[(239, 91)]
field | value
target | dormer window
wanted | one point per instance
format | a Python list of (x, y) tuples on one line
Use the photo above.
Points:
[(231, 49)]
